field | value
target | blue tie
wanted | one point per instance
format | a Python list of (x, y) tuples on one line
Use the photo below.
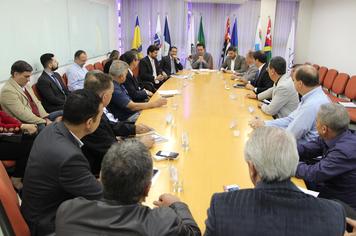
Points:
[(57, 82)]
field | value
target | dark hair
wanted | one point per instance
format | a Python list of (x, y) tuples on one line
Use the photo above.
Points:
[(20, 67), (126, 171), (278, 64), (46, 59), (114, 55), (134, 50), (171, 47), (308, 75), (97, 81), (201, 45), (260, 56), (128, 57), (232, 48), (78, 53), (81, 105), (152, 48)]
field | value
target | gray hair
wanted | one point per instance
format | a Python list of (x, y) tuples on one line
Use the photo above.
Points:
[(334, 116), (118, 68), (273, 152), (126, 171)]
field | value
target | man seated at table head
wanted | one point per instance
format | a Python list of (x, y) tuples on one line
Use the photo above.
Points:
[(202, 59), (126, 175), (150, 70), (76, 72), (251, 71), (262, 81), (171, 63), (275, 206), (133, 86), (234, 63), (50, 86), (284, 98), (302, 121), (56, 169), (98, 143), (328, 164), (18, 100), (121, 105)]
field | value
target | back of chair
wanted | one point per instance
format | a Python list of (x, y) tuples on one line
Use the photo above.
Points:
[(99, 66), (65, 79), (329, 78), (90, 67), (339, 84), (36, 92), (322, 72), (350, 90), (9, 200)]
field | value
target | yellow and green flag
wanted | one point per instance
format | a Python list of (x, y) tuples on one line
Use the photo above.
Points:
[(137, 42)]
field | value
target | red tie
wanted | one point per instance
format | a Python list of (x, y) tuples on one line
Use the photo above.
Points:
[(33, 105)]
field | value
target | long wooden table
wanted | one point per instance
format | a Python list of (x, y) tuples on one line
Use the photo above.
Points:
[(206, 110)]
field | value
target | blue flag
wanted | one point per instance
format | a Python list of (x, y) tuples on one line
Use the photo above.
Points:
[(167, 38), (234, 38)]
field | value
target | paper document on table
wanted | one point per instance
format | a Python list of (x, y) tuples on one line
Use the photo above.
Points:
[(158, 138), (348, 104), (164, 93), (180, 76), (310, 192)]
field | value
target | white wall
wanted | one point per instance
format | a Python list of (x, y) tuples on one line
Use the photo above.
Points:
[(332, 34)]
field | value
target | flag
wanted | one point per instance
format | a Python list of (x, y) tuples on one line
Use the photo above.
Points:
[(268, 41), (191, 36), (258, 37), (201, 37), (166, 39), (227, 39), (137, 42), (158, 37), (234, 38), (289, 55)]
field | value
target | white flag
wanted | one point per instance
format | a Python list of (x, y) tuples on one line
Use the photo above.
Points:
[(157, 39), (289, 55), (258, 37), (191, 38)]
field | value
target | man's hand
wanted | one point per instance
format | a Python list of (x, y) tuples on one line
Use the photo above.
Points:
[(48, 121), (260, 104), (160, 102), (141, 129), (149, 93), (201, 58), (249, 87), (160, 77), (353, 224), (29, 128), (165, 200), (147, 140), (252, 96), (255, 123)]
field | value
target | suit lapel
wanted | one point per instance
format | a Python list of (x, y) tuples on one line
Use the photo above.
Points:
[(52, 82)]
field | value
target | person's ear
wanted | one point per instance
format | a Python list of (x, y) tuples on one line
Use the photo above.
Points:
[(89, 123), (147, 189), (253, 172)]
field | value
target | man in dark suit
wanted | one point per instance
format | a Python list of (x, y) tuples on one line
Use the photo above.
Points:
[(57, 170), (134, 88), (149, 69), (275, 206), (98, 143), (50, 86), (170, 64), (262, 80), (126, 175)]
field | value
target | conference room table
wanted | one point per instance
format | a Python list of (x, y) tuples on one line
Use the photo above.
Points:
[(214, 116)]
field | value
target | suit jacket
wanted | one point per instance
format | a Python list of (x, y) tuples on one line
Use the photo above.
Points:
[(80, 217), (53, 98), (240, 64), (250, 74), (263, 81), (135, 91), (277, 208), (166, 65), (284, 97), (146, 71), (207, 64), (98, 143), (56, 171), (15, 102)]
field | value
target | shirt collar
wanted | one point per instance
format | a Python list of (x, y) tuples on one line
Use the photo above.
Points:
[(260, 68), (80, 143), (276, 185), (310, 93), (131, 73), (332, 142), (48, 72)]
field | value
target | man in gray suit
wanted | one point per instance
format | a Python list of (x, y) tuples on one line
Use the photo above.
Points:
[(234, 63), (275, 206), (202, 59), (284, 97), (251, 71), (126, 174)]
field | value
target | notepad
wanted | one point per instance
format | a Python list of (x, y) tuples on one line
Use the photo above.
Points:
[(310, 192), (168, 93), (180, 76), (348, 104)]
